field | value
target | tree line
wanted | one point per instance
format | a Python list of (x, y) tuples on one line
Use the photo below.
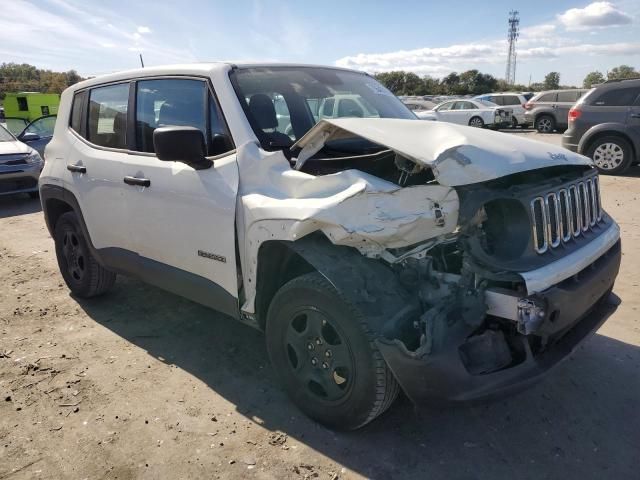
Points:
[(473, 82), (16, 77)]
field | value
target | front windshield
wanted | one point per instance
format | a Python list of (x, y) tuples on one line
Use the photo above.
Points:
[(283, 103), (5, 136)]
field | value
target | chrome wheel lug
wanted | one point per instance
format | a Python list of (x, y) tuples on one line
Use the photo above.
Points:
[(314, 361), (310, 346), (327, 354), (318, 341), (325, 365)]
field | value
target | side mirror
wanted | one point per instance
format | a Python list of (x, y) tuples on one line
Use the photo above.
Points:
[(181, 144), (29, 137)]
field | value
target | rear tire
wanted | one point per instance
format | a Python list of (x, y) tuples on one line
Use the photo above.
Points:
[(545, 124), (611, 154), (325, 356), (84, 276)]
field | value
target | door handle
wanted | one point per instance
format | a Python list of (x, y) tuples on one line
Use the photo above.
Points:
[(77, 168), (142, 182), (635, 115)]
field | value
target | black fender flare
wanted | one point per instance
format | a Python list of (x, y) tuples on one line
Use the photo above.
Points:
[(56, 192), (369, 284), (609, 128)]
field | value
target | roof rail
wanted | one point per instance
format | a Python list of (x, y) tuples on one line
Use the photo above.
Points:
[(621, 79)]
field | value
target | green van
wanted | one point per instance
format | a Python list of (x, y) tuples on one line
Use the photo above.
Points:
[(30, 105)]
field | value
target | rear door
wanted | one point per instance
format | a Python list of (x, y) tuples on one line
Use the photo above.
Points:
[(94, 163), (614, 105), (565, 101), (183, 222)]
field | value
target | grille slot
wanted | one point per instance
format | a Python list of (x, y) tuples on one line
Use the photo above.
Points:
[(558, 217)]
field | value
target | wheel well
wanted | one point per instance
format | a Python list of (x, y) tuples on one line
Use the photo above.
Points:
[(53, 209), (277, 264), (544, 114), (611, 133)]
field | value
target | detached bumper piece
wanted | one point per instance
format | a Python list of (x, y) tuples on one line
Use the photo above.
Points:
[(472, 368)]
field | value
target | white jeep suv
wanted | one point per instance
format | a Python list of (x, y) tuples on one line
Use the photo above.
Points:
[(376, 253)]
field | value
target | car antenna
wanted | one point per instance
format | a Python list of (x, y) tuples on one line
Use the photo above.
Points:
[(141, 61)]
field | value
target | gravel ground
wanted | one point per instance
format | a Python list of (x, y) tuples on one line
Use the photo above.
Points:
[(144, 384)]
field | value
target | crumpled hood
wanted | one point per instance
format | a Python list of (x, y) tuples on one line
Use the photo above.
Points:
[(458, 155)]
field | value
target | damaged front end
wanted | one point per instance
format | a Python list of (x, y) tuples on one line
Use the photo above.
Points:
[(522, 280)]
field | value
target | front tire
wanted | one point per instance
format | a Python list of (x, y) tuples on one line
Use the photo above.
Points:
[(476, 122), (545, 124), (325, 355), (84, 276), (611, 154)]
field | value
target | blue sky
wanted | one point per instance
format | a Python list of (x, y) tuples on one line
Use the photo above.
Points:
[(427, 37)]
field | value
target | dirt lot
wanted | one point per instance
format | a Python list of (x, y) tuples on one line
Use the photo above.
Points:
[(143, 384)]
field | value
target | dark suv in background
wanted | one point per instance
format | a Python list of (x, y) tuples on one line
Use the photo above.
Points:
[(605, 125), (547, 111)]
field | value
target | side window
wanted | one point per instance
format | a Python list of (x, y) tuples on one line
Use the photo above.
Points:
[(168, 102), (547, 97), (497, 100), (620, 97), (327, 108), (348, 107), (445, 106), (511, 100), (108, 115), (22, 104), (77, 112), (568, 97)]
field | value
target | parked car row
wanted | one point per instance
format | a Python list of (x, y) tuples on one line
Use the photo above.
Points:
[(471, 112)]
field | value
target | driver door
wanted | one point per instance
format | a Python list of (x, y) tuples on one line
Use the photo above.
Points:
[(183, 220)]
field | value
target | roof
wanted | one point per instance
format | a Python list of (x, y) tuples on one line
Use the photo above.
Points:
[(204, 68)]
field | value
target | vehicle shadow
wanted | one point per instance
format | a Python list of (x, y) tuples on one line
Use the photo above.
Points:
[(18, 204), (582, 422)]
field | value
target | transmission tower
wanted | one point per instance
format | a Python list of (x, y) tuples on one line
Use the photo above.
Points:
[(512, 36)]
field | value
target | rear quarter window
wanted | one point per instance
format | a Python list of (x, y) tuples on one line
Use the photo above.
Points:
[(77, 112), (620, 97), (547, 97)]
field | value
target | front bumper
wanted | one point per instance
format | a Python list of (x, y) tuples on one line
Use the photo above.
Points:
[(21, 178), (577, 307)]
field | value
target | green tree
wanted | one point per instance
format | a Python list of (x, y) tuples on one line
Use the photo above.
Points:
[(552, 81), (24, 77), (394, 81), (592, 78), (623, 71)]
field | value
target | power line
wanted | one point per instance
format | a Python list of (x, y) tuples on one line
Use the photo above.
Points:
[(512, 36)]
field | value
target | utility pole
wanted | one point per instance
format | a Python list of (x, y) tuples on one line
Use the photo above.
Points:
[(512, 37)]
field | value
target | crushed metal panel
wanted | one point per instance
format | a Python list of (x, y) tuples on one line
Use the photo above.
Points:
[(458, 155), (350, 207)]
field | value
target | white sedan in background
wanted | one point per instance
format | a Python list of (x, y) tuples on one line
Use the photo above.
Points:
[(475, 113)]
